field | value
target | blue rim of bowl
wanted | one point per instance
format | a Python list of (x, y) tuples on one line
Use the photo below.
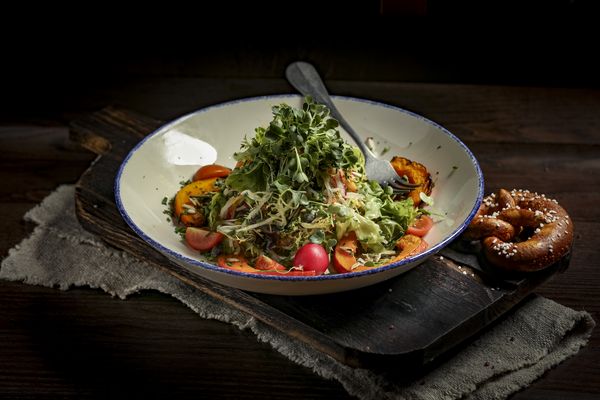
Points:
[(410, 260)]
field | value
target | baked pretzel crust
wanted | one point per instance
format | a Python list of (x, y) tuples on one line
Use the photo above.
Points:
[(521, 231)]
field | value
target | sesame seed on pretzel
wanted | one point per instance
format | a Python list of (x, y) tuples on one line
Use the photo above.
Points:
[(521, 231)]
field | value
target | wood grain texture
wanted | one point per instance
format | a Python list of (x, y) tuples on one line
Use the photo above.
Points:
[(145, 347), (119, 347)]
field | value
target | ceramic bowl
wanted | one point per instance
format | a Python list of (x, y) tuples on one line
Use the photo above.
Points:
[(154, 169)]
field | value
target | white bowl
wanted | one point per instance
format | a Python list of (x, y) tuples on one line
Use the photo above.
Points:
[(156, 166)]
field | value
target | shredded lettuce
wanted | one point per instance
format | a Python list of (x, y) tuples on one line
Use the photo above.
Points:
[(367, 231)]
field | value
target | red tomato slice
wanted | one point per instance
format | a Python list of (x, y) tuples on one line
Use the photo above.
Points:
[(201, 239), (291, 273), (211, 171), (420, 226), (268, 264), (239, 263)]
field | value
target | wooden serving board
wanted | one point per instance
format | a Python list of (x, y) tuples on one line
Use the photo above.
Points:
[(399, 325)]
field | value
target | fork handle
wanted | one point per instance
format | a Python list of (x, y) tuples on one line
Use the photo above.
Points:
[(305, 78)]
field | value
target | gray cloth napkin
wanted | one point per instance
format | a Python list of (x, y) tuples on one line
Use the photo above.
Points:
[(534, 338)]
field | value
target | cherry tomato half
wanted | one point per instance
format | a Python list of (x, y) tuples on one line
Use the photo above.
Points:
[(201, 239), (211, 171), (312, 257), (420, 226)]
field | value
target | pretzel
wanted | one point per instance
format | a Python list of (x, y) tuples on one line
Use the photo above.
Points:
[(521, 231)]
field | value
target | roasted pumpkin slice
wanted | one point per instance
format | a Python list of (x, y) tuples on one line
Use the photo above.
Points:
[(183, 206), (417, 174)]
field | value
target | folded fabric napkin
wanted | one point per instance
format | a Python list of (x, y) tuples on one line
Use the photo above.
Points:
[(535, 337)]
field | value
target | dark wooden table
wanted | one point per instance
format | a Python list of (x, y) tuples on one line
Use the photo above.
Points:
[(84, 344)]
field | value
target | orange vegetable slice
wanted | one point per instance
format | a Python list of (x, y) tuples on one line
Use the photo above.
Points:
[(183, 207), (416, 173)]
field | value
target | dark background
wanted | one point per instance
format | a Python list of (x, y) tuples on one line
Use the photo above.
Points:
[(56, 64)]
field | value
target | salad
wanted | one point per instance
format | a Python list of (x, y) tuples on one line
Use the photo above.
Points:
[(298, 202)]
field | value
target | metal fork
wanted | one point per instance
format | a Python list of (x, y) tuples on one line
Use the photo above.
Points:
[(305, 78)]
